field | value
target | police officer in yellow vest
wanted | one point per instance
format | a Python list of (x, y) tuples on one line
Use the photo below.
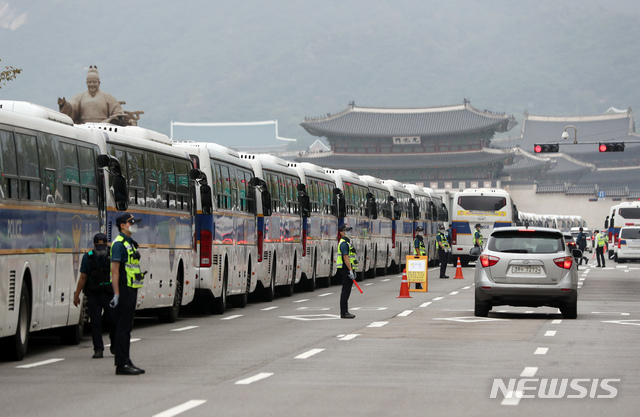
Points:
[(419, 248), (347, 265), (126, 279), (477, 236), (601, 243), (443, 250)]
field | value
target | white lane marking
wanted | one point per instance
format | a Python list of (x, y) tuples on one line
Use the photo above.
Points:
[(378, 324), (314, 308), (624, 322), (405, 313), (467, 287), (254, 378), (325, 294), (512, 398), (181, 329), (47, 362), (349, 336), (366, 285), (269, 308), (301, 301), (541, 351), (135, 340), (528, 312), (437, 298), (180, 408), (309, 354), (610, 312), (529, 372), (369, 308), (385, 280), (550, 333), (556, 321), (425, 304), (454, 292), (232, 317)]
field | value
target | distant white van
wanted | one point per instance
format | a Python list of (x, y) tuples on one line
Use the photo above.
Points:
[(628, 244)]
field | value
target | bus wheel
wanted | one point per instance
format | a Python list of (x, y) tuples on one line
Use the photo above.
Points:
[(311, 282), (72, 335), (288, 289), (270, 293), (170, 314), (15, 347), (242, 299), (219, 304)]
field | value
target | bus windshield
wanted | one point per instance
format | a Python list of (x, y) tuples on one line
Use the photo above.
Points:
[(630, 212), (481, 202)]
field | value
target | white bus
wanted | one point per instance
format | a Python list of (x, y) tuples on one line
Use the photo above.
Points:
[(623, 214), (225, 222), (425, 215), (355, 207), (402, 232), (319, 225), (490, 208), (279, 226), (385, 255), (54, 198)]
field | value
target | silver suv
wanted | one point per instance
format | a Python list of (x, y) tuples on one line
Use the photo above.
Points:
[(628, 243), (529, 267)]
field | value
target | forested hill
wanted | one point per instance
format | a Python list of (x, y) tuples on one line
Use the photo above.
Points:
[(254, 60)]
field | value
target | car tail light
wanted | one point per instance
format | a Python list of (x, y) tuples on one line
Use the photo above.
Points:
[(205, 248), (564, 262), (488, 260)]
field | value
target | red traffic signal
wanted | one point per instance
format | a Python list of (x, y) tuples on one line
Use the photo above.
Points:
[(546, 147), (611, 147)]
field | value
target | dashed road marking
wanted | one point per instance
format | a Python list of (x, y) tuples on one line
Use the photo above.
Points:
[(325, 294), (348, 336), (47, 362), (550, 333), (309, 354), (378, 324), (269, 308), (437, 298), (454, 293), (529, 372), (181, 329), (425, 304), (405, 313), (232, 317), (180, 408), (556, 321), (254, 378), (541, 351), (301, 301)]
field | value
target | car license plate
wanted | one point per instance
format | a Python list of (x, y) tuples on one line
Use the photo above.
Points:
[(516, 269)]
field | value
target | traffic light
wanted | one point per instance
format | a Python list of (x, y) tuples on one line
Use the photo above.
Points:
[(611, 147), (546, 147)]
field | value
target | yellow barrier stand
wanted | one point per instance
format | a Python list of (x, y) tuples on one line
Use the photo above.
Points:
[(417, 272)]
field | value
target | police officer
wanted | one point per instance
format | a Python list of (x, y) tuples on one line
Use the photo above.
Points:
[(95, 281), (419, 248), (443, 250), (601, 243), (126, 279), (581, 240), (347, 264), (477, 237)]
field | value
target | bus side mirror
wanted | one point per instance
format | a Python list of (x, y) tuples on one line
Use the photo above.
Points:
[(415, 210), (372, 206), (303, 200), (206, 199), (120, 193), (266, 203), (338, 201)]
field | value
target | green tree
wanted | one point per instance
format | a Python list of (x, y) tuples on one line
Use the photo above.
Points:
[(9, 73)]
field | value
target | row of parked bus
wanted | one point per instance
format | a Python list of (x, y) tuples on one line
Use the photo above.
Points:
[(217, 225)]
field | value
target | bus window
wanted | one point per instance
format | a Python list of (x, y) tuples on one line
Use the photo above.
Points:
[(168, 184), (153, 180), (70, 173), (28, 167), (481, 202), (8, 166), (182, 185), (136, 180), (88, 180)]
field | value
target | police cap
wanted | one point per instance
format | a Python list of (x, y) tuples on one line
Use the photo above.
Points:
[(100, 241), (345, 228), (126, 218)]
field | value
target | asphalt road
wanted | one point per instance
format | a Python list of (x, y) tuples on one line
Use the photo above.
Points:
[(418, 356)]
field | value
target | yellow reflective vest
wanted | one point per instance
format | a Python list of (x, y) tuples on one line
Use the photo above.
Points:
[(132, 266)]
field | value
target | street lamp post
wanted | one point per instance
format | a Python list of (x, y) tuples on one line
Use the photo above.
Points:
[(565, 134)]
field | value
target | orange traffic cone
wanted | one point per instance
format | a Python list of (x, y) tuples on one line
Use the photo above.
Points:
[(404, 286), (459, 271)]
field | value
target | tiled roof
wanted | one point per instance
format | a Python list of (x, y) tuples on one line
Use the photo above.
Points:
[(430, 160), (393, 122), (611, 175), (550, 188), (525, 161), (564, 165), (582, 190), (616, 192), (602, 128)]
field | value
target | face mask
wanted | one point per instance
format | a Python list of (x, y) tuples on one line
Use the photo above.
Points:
[(101, 253), (133, 228)]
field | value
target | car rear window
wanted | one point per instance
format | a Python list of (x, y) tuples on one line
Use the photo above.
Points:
[(515, 241), (629, 233)]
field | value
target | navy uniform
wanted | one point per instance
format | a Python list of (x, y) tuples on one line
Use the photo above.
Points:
[(418, 248), (95, 281), (443, 251), (347, 264), (126, 278), (601, 243)]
